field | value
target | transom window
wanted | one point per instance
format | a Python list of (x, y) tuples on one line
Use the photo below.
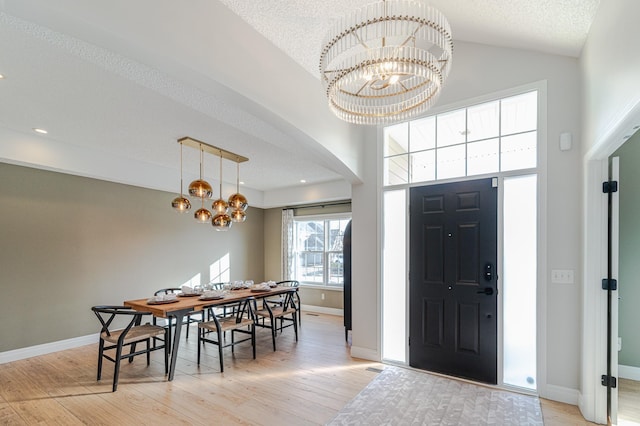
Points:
[(318, 250), (496, 136)]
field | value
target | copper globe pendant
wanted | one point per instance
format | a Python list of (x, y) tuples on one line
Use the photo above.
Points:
[(221, 221), (202, 215), (238, 216), (181, 204), (200, 188), (237, 201), (220, 206)]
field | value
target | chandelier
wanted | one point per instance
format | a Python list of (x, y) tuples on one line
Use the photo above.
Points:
[(386, 62), (200, 188)]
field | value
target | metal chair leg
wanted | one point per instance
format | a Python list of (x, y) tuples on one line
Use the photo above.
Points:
[(220, 351), (100, 352), (116, 372)]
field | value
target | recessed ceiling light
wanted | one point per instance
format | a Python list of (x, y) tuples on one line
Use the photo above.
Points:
[(42, 131), (303, 181), (1, 76), (241, 183)]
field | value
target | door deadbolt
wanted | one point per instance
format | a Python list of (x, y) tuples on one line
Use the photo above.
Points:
[(488, 272)]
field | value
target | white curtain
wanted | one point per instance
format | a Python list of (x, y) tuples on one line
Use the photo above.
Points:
[(287, 244)]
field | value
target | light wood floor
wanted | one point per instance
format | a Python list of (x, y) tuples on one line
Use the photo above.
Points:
[(629, 402), (299, 384)]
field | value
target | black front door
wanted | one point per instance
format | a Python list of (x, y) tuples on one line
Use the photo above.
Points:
[(453, 281)]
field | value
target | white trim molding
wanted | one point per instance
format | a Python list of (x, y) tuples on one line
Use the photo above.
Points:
[(322, 310), (561, 394), (629, 372), (47, 348), (365, 353)]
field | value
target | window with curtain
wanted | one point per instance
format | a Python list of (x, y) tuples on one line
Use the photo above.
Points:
[(316, 250)]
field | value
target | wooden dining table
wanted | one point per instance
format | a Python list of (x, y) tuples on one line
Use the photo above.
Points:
[(184, 305)]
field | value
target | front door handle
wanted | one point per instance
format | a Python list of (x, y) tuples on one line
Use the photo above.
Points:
[(487, 290)]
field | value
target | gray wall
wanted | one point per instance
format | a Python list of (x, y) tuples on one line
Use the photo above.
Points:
[(67, 243), (273, 255), (629, 267)]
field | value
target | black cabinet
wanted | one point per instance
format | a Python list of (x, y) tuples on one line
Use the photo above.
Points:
[(346, 254)]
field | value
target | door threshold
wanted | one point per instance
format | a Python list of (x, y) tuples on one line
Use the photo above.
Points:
[(502, 387)]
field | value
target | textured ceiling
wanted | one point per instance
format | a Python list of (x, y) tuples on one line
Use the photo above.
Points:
[(551, 26), (116, 83)]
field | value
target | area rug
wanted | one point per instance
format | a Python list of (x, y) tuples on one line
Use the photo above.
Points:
[(401, 396)]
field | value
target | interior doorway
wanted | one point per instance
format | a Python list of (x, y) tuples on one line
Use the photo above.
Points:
[(627, 341), (593, 403)]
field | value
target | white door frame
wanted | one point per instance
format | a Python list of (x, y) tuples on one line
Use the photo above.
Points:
[(593, 396)]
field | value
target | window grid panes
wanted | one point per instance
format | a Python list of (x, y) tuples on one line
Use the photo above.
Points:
[(490, 137), (318, 251)]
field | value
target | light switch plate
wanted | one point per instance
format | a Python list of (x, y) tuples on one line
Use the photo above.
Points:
[(562, 276)]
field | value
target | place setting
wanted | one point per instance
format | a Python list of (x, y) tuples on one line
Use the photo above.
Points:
[(212, 295), (263, 287), (188, 291), (162, 299)]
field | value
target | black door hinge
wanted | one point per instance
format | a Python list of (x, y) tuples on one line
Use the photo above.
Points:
[(609, 284), (409, 340), (609, 380), (611, 186)]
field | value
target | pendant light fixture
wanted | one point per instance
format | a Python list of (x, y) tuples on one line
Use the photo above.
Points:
[(220, 206), (237, 201), (181, 204), (221, 221), (200, 188), (220, 218), (202, 215)]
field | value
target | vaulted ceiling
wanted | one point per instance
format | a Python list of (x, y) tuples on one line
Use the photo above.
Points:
[(116, 83)]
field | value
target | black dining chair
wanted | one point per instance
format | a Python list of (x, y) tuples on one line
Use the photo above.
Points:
[(293, 284), (188, 319), (120, 338), (284, 312), (224, 310), (242, 321)]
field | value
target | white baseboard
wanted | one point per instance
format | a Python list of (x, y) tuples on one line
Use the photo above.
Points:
[(628, 372), (561, 394), (364, 353), (322, 310), (47, 348)]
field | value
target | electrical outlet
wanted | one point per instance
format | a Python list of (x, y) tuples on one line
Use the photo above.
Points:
[(562, 276), (619, 344), (322, 296)]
